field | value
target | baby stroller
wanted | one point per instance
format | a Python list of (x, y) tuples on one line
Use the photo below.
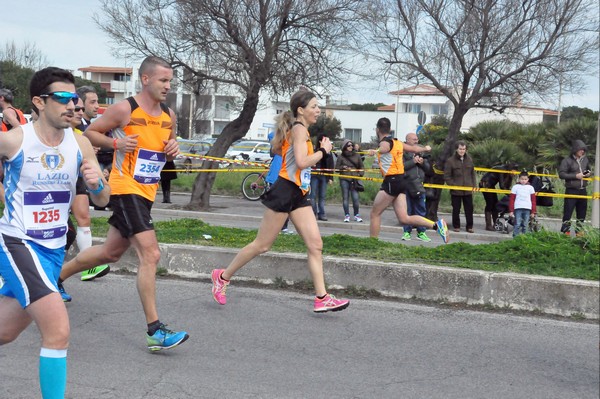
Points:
[(504, 220)]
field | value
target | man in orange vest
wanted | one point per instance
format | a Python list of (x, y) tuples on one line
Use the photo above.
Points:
[(11, 116)]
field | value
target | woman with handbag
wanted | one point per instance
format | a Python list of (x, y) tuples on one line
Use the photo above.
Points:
[(349, 163)]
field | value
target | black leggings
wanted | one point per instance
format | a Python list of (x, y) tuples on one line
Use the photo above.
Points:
[(579, 205)]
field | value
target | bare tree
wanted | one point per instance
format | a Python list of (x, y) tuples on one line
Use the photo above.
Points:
[(253, 45), (27, 55), (485, 53)]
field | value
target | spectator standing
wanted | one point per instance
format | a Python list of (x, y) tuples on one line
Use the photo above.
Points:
[(416, 167), (490, 180), (573, 169), (166, 175), (433, 195), (349, 163), (319, 182), (521, 204), (459, 170)]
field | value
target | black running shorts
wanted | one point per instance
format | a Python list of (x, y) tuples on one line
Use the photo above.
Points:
[(393, 185), (285, 196), (131, 214)]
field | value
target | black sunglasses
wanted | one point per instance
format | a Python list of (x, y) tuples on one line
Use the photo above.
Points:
[(62, 97), (78, 109)]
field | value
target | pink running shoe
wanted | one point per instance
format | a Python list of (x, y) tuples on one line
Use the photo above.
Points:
[(219, 286), (330, 303)]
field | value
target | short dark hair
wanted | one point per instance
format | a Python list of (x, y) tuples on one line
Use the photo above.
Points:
[(42, 79), (7, 94), (152, 62), (384, 125), (460, 143), (524, 173), (84, 90)]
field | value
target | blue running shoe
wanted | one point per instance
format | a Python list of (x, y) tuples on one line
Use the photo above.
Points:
[(442, 230), (65, 297), (164, 338)]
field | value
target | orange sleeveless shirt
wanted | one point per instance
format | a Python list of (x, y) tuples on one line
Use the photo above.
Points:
[(391, 163), (5, 127), (289, 170), (138, 172)]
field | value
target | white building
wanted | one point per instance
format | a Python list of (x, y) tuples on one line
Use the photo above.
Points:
[(210, 111), (359, 126), (207, 113)]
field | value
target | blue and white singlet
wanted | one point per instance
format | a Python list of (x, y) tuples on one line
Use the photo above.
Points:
[(39, 188)]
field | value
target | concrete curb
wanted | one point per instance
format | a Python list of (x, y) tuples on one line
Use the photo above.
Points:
[(554, 296)]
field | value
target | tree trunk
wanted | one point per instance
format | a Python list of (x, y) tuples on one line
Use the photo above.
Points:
[(234, 130), (453, 133)]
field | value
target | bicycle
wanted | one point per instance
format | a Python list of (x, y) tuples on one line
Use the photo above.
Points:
[(254, 185)]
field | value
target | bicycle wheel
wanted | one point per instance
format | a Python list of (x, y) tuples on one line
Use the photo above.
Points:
[(253, 186)]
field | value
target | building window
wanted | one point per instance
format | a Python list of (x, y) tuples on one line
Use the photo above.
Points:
[(412, 108), (439, 109), (121, 77), (354, 135)]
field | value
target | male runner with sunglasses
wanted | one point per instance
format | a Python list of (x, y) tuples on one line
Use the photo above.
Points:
[(43, 160), (144, 131), (80, 208)]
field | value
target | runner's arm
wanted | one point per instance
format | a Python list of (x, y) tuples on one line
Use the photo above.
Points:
[(172, 146), (10, 117), (116, 116), (10, 142), (92, 175), (301, 143)]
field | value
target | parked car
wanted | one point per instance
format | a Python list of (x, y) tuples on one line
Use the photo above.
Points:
[(194, 147), (254, 151)]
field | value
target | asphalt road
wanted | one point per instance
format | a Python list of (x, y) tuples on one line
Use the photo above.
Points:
[(269, 344)]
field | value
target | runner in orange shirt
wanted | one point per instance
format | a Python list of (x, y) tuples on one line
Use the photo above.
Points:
[(144, 139)]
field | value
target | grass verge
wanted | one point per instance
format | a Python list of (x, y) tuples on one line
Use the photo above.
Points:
[(544, 253)]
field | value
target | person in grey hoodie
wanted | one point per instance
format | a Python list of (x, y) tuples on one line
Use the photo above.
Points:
[(573, 169)]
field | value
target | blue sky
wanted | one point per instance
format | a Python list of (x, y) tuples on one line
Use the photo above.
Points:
[(66, 34)]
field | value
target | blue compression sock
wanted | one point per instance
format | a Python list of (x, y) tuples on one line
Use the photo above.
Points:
[(53, 373)]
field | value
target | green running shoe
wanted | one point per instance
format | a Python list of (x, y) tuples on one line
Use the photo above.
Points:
[(95, 272)]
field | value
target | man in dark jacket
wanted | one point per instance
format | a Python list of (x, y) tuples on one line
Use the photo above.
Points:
[(319, 182), (415, 168), (573, 169), (459, 170)]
